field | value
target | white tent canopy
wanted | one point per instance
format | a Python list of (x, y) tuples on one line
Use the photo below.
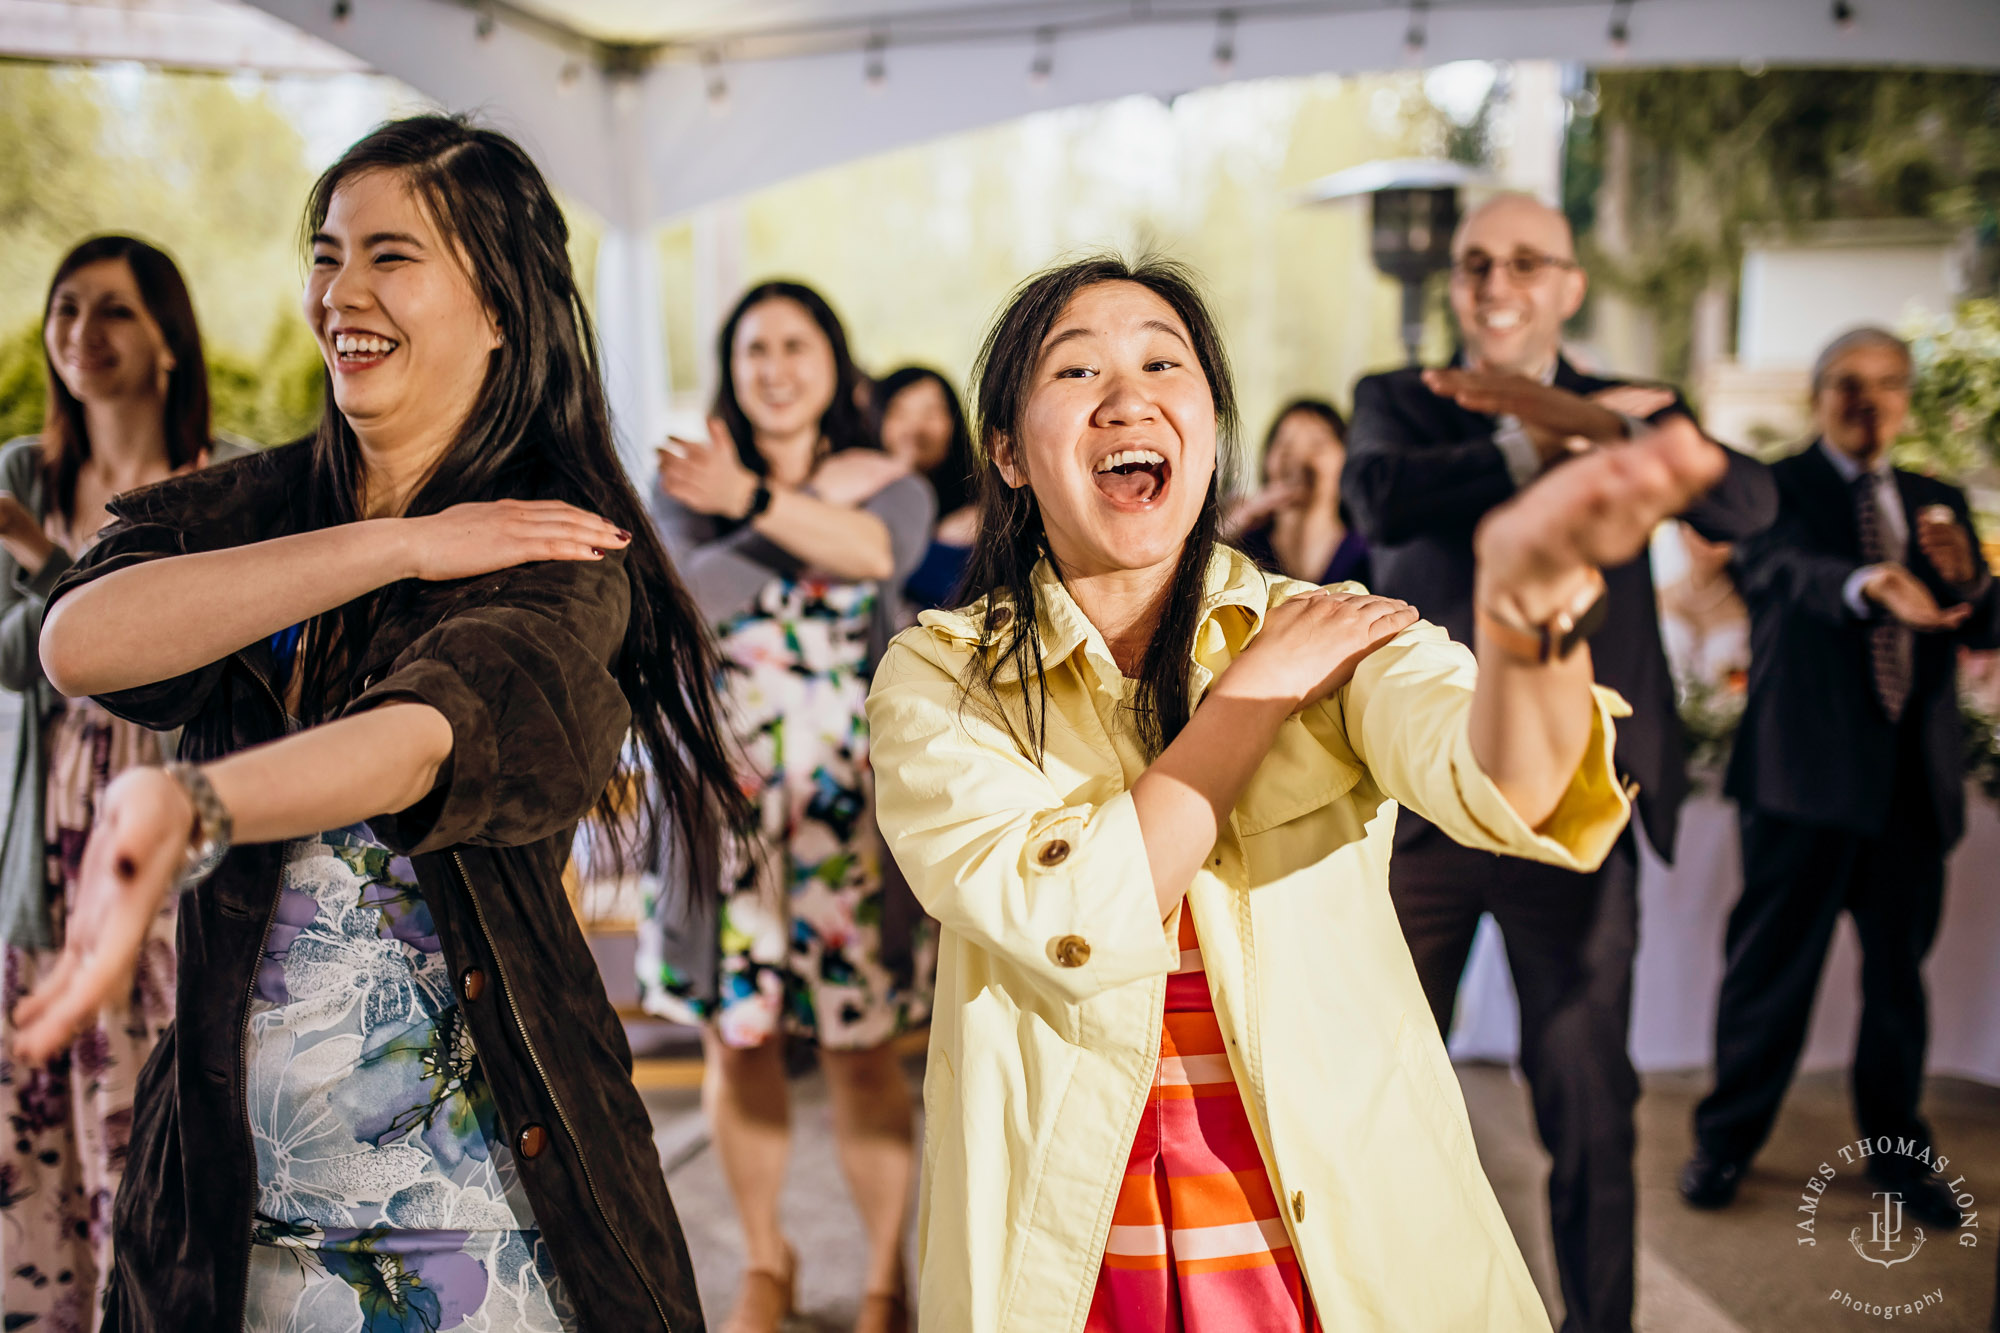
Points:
[(645, 109), (633, 129)]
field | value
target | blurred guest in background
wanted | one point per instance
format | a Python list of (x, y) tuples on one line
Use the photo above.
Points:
[(792, 529), (127, 406), (1433, 451), (1296, 524), (1849, 769), (924, 426)]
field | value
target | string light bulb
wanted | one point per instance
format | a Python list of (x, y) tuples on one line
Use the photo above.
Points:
[(343, 10), (482, 27), (1843, 15), (1043, 67), (875, 68), (1417, 35), (715, 83), (1620, 32), (1225, 43)]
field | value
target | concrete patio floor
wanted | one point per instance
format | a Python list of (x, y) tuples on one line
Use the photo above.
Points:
[(1739, 1271)]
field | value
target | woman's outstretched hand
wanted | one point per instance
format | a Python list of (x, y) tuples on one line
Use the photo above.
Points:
[(468, 540), (138, 844), (1310, 645), (1538, 550)]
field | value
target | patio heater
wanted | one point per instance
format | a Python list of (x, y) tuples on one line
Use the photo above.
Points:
[(1413, 207)]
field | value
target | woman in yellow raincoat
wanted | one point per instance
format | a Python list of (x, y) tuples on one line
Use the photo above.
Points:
[(1182, 1076)]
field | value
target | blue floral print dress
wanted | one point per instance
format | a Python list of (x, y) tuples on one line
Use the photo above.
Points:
[(387, 1199)]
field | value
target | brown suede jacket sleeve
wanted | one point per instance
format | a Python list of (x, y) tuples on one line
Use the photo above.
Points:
[(521, 667)]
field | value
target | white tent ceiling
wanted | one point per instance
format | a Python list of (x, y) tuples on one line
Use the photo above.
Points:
[(646, 108)]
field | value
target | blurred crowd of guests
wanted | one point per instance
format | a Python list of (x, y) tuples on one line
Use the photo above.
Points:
[(823, 509)]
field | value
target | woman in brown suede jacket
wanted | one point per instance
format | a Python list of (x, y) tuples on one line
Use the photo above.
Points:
[(406, 654)]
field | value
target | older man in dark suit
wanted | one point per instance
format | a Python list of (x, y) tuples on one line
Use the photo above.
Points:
[(1431, 453), (1849, 769)]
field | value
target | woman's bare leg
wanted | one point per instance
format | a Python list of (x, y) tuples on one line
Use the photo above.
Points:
[(872, 1125), (748, 1105)]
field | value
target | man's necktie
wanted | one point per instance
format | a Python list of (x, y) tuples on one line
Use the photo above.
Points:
[(1891, 644)]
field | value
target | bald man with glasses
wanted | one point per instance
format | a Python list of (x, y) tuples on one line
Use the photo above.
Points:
[(1431, 453)]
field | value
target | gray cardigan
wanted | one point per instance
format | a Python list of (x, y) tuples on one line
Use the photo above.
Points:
[(725, 569), (24, 913), (24, 908)]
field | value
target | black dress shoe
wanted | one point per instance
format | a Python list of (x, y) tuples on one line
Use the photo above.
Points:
[(1708, 1182), (1925, 1197)]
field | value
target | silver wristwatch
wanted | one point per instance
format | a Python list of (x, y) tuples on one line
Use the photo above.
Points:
[(213, 827)]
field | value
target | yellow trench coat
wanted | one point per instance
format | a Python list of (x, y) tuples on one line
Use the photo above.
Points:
[(1053, 966)]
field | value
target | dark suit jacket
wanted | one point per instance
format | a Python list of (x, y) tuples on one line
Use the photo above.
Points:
[(1422, 471), (1815, 745)]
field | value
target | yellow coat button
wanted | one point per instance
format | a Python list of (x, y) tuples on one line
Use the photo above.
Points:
[(1070, 950), (1053, 853), (1299, 1206)]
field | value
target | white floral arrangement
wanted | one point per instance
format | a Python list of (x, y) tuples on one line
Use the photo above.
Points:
[(1710, 711)]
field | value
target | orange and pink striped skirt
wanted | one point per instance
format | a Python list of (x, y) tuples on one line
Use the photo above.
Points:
[(1198, 1243)]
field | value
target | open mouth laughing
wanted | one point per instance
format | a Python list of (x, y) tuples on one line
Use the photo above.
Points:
[(1132, 478), (360, 351)]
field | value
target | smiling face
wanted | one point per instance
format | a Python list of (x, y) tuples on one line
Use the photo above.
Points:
[(1303, 449), (1513, 324), (1116, 434), (1862, 401), (104, 343), (782, 368), (398, 320), (916, 425)]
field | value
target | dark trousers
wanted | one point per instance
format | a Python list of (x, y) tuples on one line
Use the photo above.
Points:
[(1797, 879), (1570, 940)]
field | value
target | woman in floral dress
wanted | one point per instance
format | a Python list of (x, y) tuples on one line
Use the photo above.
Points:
[(127, 405), (406, 662), (793, 532)]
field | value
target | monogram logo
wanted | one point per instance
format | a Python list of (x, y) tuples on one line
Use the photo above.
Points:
[(1886, 1233), (1889, 1240)]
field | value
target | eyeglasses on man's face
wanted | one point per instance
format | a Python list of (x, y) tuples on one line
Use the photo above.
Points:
[(1476, 266)]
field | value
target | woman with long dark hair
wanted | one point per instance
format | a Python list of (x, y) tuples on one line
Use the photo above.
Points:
[(127, 405), (1295, 523), (1182, 1074), (794, 530), (923, 425), (405, 655)]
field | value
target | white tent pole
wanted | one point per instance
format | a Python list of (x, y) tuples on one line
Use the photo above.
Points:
[(631, 323)]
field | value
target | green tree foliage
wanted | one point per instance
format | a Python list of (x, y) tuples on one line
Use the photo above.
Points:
[(204, 167), (21, 392), (1713, 152)]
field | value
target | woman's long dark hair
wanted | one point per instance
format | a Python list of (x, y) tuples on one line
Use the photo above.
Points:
[(1318, 407), (538, 429), (1012, 539), (845, 423), (65, 437), (1326, 412), (952, 479)]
